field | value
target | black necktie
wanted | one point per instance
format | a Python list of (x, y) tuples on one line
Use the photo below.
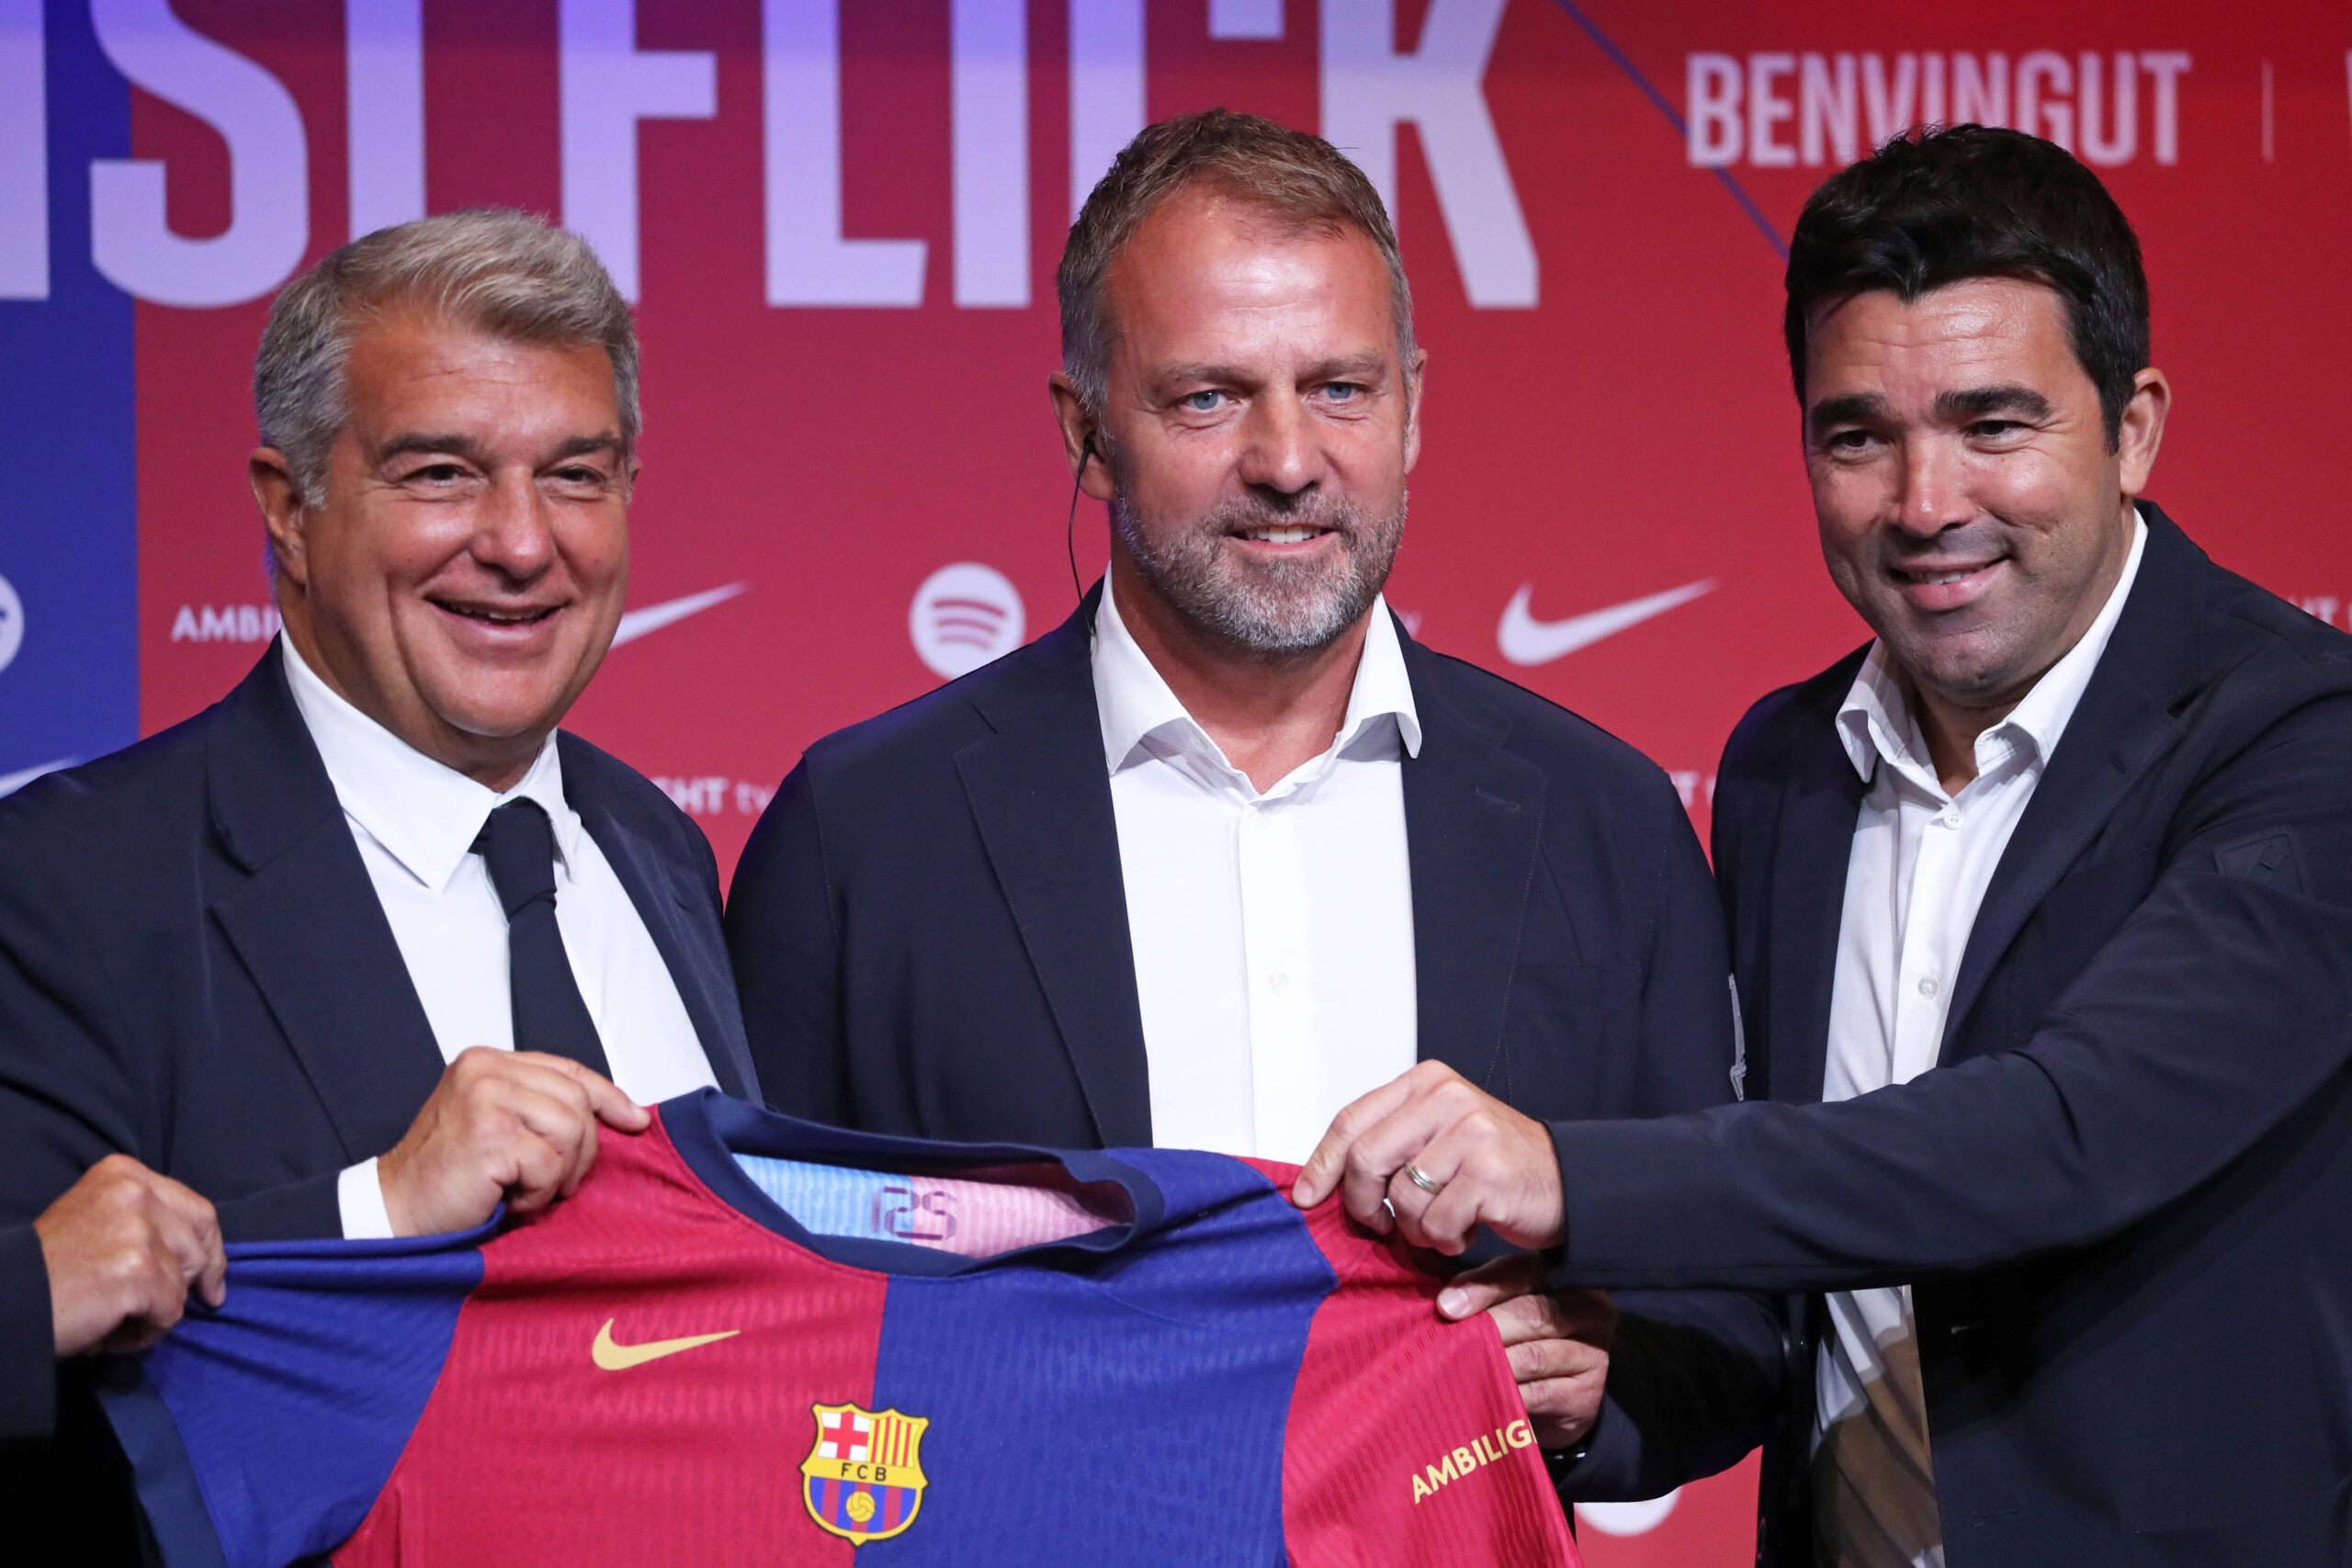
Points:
[(518, 845)]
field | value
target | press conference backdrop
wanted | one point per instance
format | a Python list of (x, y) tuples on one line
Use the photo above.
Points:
[(839, 222)]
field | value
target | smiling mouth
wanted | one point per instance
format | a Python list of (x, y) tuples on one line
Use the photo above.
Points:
[(1287, 533), (498, 615), (1941, 576)]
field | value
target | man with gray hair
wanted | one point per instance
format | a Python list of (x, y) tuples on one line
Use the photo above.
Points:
[(1229, 848), (368, 948)]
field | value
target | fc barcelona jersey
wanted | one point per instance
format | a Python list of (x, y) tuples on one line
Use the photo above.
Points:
[(749, 1340)]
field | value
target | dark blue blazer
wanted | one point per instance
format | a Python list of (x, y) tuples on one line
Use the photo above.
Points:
[(930, 930), (195, 970), (2124, 1197)]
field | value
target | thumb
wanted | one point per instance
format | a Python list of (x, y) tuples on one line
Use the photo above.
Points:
[(613, 1108), (1489, 1285)]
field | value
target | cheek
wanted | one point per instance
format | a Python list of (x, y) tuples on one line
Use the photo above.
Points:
[(594, 545), (364, 560)]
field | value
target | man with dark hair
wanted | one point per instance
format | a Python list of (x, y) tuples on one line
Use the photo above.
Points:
[(2041, 914), (1229, 848)]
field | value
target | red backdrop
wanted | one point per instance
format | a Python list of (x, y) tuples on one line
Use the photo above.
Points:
[(1626, 432)]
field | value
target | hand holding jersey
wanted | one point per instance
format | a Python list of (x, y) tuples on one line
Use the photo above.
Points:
[(1434, 1156), (513, 1127), (124, 1248)]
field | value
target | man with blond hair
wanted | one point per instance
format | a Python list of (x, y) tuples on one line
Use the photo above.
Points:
[(1229, 848), (368, 947)]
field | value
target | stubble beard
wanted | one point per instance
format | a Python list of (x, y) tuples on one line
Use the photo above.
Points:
[(1277, 609)]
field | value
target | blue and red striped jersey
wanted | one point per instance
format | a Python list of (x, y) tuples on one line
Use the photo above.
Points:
[(752, 1339)]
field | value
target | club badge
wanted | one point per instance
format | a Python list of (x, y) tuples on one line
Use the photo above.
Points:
[(863, 1479)]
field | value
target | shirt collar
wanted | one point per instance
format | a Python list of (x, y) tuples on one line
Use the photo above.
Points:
[(1875, 720), (425, 814), (1134, 704)]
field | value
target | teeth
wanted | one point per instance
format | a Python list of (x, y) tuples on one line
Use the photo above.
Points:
[(1280, 535)]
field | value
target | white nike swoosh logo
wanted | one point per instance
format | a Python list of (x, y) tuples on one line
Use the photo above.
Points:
[(11, 783), (653, 617), (1526, 640)]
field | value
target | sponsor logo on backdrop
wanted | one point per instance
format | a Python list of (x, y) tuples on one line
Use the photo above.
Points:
[(259, 622), (2334, 609), (225, 623), (636, 623), (1778, 110), (963, 617), (1525, 641), (12, 623), (715, 794), (1628, 1518)]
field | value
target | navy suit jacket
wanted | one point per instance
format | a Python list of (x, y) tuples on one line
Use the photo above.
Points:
[(930, 929), (2124, 1197), (195, 970)]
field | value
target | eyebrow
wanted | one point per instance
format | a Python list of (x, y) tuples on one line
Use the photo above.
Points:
[(1956, 407), (1975, 403), (427, 443), (1353, 366), (1855, 408)]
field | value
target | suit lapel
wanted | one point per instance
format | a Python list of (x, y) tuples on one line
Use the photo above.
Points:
[(679, 918), (1811, 845), (2119, 730), (1474, 824), (307, 923), (1041, 795)]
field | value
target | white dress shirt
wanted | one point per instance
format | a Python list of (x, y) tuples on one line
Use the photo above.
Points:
[(1920, 862), (1273, 932), (415, 821)]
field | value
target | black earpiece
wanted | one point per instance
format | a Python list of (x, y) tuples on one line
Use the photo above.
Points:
[(1086, 454)]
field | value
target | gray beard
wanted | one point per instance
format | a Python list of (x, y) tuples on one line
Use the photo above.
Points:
[(1271, 609)]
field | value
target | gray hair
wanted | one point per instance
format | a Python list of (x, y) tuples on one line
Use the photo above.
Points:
[(1301, 182), (506, 274)]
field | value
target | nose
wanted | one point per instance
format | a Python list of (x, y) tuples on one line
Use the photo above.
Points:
[(1281, 453), (515, 527), (1933, 496)]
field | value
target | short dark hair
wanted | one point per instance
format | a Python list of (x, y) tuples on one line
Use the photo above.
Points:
[(1300, 181), (1941, 205)]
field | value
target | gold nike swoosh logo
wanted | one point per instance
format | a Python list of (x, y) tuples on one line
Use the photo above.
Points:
[(617, 1357)]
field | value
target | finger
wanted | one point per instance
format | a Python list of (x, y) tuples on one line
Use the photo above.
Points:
[(608, 1104), (535, 1172), (1541, 1360), (1521, 1319), (1321, 1172), (1377, 1158), (583, 1159), (1479, 1289), (557, 1140), (1423, 1216)]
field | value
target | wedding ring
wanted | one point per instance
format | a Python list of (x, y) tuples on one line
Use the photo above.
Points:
[(1420, 1179)]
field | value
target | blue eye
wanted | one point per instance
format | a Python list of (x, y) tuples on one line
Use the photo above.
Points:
[(1203, 402)]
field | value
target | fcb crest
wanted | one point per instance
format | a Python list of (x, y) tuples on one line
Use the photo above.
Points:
[(863, 1479)]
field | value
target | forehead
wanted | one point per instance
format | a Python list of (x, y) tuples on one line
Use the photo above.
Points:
[(410, 364), (1207, 276), (1978, 331)]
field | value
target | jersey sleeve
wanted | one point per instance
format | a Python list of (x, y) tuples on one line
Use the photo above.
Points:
[(262, 1433), (1408, 1446)]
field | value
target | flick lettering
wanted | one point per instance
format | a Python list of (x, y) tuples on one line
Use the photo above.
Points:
[(1774, 110), (608, 88), (1486, 1448)]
